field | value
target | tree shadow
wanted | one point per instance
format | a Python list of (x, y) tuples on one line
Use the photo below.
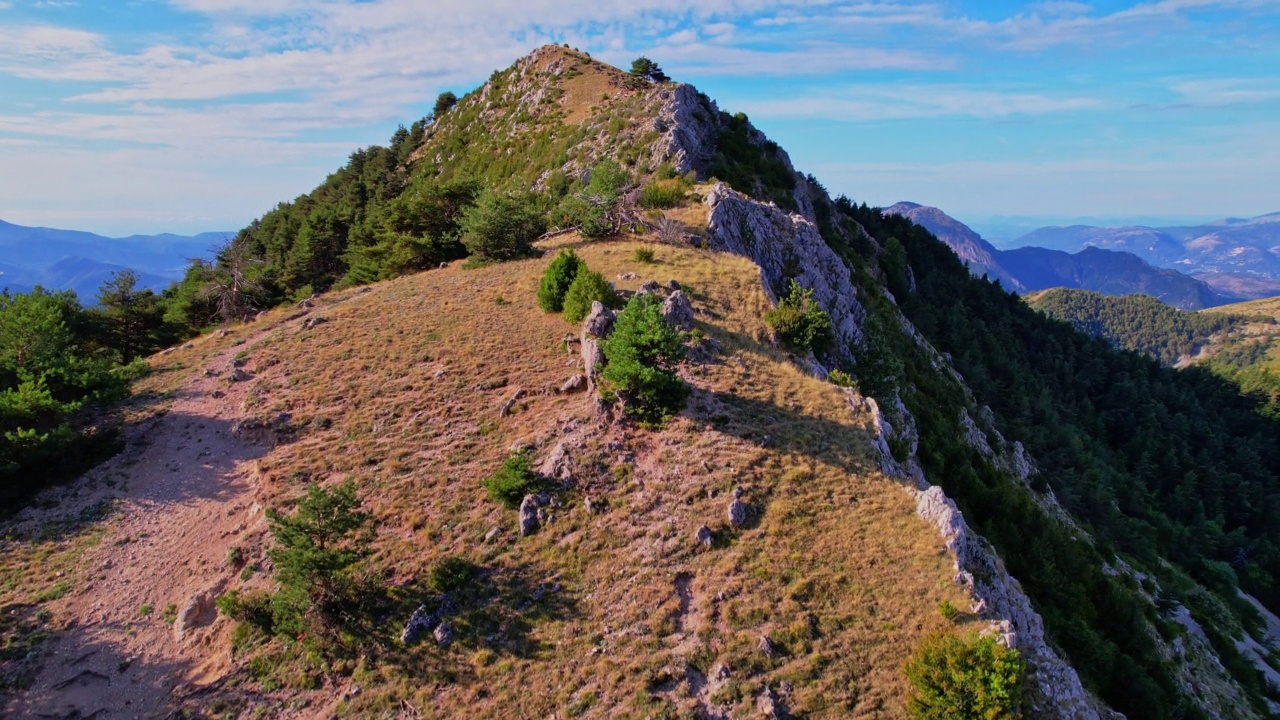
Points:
[(96, 678)]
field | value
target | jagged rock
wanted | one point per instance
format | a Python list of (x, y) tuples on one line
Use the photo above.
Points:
[(529, 515), (592, 359), (599, 321), (198, 610), (770, 706), (239, 375), (765, 646), (313, 321), (649, 287), (738, 510), (558, 465), (575, 383), (510, 404), (678, 311), (421, 622), (786, 247), (704, 537), (1057, 693), (444, 634), (673, 285)]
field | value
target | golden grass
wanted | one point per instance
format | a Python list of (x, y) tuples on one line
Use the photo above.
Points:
[(837, 570)]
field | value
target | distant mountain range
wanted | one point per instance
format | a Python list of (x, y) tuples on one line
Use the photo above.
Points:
[(1237, 256), (1111, 267), (82, 261)]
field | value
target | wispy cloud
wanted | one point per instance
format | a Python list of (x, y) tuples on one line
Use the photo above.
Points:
[(877, 102)]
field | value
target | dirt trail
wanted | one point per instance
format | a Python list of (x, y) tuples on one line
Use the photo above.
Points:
[(182, 494)]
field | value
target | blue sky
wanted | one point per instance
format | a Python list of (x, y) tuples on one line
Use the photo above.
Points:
[(186, 115)]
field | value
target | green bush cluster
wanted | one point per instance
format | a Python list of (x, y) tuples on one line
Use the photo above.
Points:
[(970, 678), (511, 482), (799, 320), (641, 355), (557, 279), (593, 211), (451, 573), (661, 194), (502, 226), (586, 288)]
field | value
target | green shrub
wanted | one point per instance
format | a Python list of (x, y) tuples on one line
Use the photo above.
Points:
[(451, 573), (557, 279), (840, 378), (640, 359), (955, 678), (593, 211), (798, 320), (947, 610), (315, 549), (663, 193), (586, 288), (502, 226), (252, 607), (511, 482), (645, 255)]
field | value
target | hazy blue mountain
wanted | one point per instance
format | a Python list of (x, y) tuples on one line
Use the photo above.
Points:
[(1111, 270), (81, 261), (1239, 256), (1150, 244)]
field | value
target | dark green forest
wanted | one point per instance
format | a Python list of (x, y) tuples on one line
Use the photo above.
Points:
[(1138, 322), (1144, 324), (1156, 463)]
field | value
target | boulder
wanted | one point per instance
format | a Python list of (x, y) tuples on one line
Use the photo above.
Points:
[(673, 285), (575, 383), (704, 537), (558, 464), (738, 510), (529, 515), (599, 321), (678, 311), (649, 287), (313, 321), (239, 375), (421, 622), (444, 634), (197, 611)]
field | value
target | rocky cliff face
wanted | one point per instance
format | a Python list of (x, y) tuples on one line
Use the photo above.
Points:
[(787, 246)]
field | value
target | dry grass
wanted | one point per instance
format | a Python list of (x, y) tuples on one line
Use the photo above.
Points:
[(401, 390)]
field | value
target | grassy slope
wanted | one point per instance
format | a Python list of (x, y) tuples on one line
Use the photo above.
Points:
[(838, 571)]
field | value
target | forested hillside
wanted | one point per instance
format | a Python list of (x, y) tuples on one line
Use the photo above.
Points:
[(1160, 465), (1240, 343), (1139, 322)]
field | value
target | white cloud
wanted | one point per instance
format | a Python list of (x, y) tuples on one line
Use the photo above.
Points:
[(898, 102)]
